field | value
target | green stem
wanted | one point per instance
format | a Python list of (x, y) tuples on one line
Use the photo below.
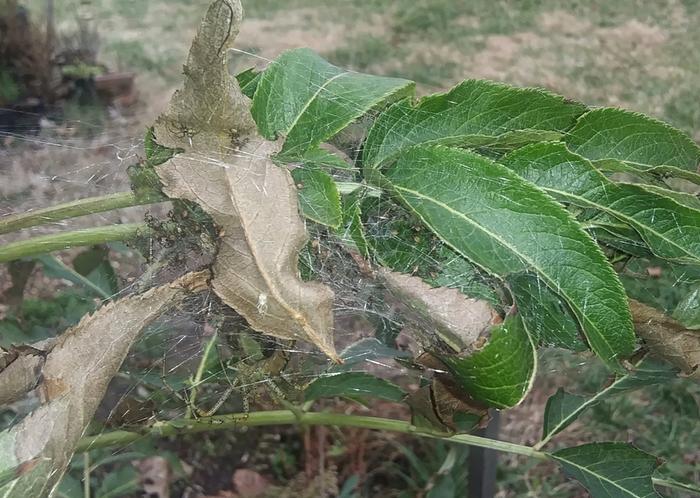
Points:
[(200, 373), (73, 209), (86, 475), (288, 417), (56, 242)]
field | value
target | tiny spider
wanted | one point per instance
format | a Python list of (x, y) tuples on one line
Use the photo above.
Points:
[(262, 303)]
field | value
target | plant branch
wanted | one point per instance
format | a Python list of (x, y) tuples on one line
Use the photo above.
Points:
[(59, 241), (74, 209), (288, 417)]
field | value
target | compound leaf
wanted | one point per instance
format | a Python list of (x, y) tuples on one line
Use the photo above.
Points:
[(610, 470), (506, 225), (474, 113), (670, 229), (308, 100)]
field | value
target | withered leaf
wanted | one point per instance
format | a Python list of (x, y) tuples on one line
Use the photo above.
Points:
[(74, 379), (226, 168), (667, 338), (443, 406), (19, 373), (457, 319)]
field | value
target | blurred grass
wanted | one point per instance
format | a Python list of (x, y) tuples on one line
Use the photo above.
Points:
[(630, 52)]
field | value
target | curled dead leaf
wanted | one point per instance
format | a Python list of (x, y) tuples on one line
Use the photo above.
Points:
[(75, 376), (457, 319), (226, 168), (19, 373), (667, 338)]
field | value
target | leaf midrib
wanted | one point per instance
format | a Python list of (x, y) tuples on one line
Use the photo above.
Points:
[(545, 276), (439, 141), (600, 477), (311, 99), (629, 220), (294, 315)]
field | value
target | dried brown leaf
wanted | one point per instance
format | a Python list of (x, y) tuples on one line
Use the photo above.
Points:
[(457, 319), (667, 338), (226, 168), (74, 379), (19, 373)]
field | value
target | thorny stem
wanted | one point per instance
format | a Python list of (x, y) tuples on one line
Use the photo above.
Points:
[(288, 417), (55, 242), (74, 209)]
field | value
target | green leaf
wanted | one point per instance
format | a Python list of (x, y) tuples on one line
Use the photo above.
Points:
[(671, 230), (610, 470), (352, 232), (353, 385), (686, 199), (319, 198), (70, 487), (546, 316), (94, 264), (688, 310), (308, 100), (474, 113), (324, 159), (54, 267), (564, 408), (623, 239), (501, 373), (248, 81), (628, 141), (156, 154), (120, 482), (507, 225)]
